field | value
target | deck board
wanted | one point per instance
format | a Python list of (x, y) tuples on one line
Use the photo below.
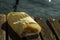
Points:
[(46, 32), (2, 32), (56, 27)]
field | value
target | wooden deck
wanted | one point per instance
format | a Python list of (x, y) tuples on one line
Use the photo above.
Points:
[(50, 29)]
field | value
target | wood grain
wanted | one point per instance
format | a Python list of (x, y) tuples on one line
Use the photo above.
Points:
[(55, 25), (2, 32), (46, 33)]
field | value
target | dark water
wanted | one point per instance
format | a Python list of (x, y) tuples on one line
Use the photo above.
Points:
[(41, 8)]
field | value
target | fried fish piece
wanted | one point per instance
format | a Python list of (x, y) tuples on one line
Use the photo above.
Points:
[(22, 23)]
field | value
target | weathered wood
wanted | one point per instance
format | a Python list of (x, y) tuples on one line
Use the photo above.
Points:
[(46, 33), (2, 32), (56, 27), (9, 38)]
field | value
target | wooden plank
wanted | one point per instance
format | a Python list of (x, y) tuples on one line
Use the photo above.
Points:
[(46, 33), (56, 27), (2, 32), (9, 38)]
